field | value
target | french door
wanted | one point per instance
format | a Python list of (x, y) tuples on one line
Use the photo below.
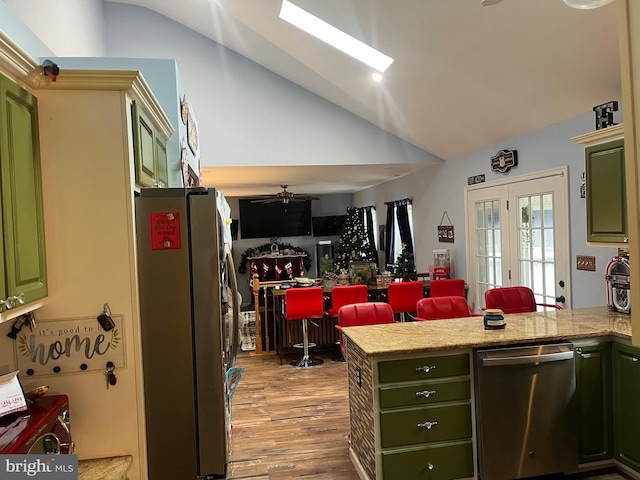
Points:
[(517, 234)]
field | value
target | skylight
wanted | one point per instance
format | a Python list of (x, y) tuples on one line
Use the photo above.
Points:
[(320, 29)]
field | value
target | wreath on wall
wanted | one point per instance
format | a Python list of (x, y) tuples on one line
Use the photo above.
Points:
[(286, 248)]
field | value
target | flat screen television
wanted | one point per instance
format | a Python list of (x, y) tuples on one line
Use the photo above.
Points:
[(328, 226), (276, 219)]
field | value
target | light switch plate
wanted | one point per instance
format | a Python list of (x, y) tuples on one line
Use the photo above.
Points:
[(585, 262)]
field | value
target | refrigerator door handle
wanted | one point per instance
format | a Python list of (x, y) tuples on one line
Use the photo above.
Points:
[(235, 324)]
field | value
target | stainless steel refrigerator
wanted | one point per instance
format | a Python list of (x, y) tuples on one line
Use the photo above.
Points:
[(188, 330)]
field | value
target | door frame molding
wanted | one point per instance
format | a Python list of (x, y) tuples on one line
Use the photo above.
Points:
[(564, 250)]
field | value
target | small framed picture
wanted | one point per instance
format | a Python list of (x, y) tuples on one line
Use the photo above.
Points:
[(192, 135)]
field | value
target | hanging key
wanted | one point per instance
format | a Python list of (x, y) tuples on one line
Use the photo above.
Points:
[(111, 377)]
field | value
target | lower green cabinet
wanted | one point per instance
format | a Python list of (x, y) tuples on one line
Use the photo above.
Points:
[(626, 404), (594, 400), (430, 462)]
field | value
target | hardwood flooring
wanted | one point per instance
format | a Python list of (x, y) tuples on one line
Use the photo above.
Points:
[(292, 423)]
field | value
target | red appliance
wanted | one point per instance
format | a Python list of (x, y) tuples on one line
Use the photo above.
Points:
[(42, 429), (618, 284)]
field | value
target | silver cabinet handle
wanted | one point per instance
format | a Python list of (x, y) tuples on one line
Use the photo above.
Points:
[(425, 393), (427, 425), (430, 466), (426, 368), (578, 350)]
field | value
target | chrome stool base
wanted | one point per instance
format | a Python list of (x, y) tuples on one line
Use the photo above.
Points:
[(306, 362)]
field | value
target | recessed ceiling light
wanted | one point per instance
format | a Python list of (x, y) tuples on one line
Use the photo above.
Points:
[(336, 38), (377, 77)]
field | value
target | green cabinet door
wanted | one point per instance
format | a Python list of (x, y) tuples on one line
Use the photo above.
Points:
[(626, 404), (606, 193), (150, 151), (594, 400), (25, 267)]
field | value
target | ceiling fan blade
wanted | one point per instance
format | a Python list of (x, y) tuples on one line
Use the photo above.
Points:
[(303, 199), (265, 200)]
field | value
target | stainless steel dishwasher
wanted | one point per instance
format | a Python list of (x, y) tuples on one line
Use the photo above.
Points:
[(524, 410)]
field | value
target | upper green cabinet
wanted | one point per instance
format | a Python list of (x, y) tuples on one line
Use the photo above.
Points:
[(605, 189), (150, 151), (23, 272)]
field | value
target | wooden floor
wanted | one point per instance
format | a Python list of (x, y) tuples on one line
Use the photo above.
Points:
[(291, 423)]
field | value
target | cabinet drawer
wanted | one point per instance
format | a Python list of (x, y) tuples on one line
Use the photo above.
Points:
[(434, 423), (441, 462), (424, 393), (421, 368)]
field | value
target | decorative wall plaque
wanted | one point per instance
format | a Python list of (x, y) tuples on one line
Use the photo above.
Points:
[(604, 114), (504, 160), (445, 232)]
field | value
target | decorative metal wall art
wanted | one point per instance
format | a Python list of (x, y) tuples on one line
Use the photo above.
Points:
[(604, 114), (504, 160)]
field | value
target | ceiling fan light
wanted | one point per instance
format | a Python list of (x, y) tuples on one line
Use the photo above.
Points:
[(587, 4)]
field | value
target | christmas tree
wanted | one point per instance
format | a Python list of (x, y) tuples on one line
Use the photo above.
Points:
[(353, 244), (405, 264)]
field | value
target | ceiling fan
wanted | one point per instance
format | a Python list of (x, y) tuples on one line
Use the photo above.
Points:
[(285, 196)]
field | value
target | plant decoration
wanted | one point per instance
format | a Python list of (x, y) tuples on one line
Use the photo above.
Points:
[(405, 265), (266, 250), (353, 244)]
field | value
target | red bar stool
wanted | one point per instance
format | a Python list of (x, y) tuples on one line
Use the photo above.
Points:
[(514, 300), (303, 303), (447, 288), (355, 314), (439, 308), (403, 297), (347, 295)]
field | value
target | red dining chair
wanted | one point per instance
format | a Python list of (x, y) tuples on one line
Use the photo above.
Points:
[(438, 308), (447, 287), (403, 296), (304, 303), (514, 300), (356, 314)]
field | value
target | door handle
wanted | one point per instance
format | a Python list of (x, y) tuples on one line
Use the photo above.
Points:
[(560, 299)]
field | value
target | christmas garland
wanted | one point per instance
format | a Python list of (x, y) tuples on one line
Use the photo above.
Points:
[(266, 249)]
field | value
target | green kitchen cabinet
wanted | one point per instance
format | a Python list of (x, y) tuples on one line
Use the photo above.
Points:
[(425, 418), (23, 269), (626, 404), (606, 193), (150, 151), (594, 401)]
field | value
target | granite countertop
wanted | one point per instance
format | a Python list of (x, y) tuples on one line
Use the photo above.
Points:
[(461, 333)]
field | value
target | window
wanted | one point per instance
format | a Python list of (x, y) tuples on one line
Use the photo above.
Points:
[(399, 229)]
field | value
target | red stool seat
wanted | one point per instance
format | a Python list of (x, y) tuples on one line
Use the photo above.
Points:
[(303, 303), (438, 308), (514, 300), (447, 288), (356, 314), (403, 296)]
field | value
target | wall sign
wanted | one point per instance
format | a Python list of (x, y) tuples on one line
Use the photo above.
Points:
[(445, 232), (475, 179), (604, 114), (504, 160), (165, 230), (69, 346)]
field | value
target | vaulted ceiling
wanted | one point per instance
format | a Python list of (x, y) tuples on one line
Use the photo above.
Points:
[(465, 76)]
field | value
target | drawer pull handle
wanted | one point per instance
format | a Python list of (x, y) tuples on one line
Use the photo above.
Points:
[(427, 425), (430, 466), (425, 369), (425, 393)]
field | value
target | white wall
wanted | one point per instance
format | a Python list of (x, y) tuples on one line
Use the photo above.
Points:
[(71, 28), (441, 188)]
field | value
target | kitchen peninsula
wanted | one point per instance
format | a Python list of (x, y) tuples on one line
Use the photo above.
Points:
[(395, 370)]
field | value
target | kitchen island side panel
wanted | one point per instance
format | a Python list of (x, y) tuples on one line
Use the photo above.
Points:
[(361, 408)]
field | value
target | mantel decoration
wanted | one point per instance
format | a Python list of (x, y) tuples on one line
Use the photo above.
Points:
[(504, 160), (266, 249), (405, 267)]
